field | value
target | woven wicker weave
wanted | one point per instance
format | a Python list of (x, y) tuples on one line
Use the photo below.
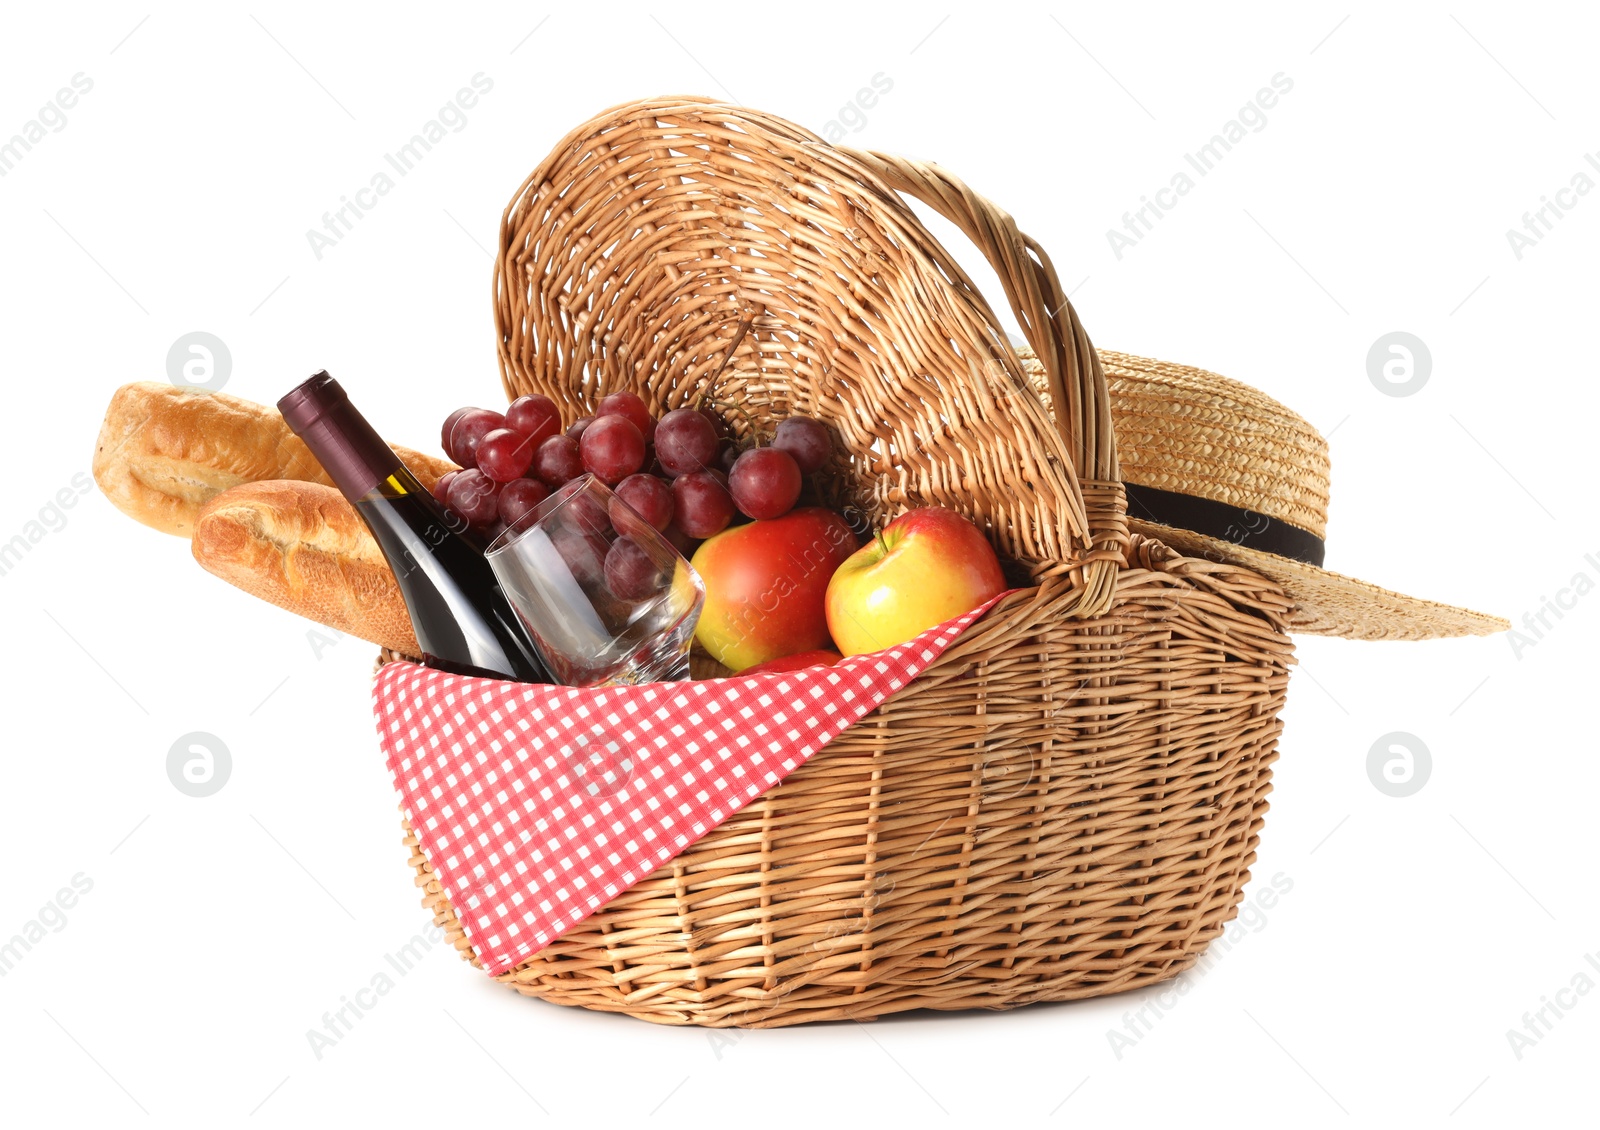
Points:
[(1067, 802)]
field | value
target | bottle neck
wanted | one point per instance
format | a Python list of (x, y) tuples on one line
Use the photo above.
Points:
[(349, 449)]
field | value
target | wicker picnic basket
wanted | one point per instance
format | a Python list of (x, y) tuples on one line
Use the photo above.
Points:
[(1067, 802)]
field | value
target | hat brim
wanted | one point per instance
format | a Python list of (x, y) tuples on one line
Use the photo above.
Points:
[(1332, 604)]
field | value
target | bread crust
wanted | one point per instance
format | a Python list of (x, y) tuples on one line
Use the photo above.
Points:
[(164, 451), (303, 547)]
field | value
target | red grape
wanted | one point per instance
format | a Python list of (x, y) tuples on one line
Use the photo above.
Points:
[(585, 554), (629, 406), (718, 424), (504, 455), (650, 498), (450, 426), (588, 514), (535, 417), (727, 457), (765, 482), (612, 448), (807, 440), (681, 541), (630, 574), (442, 487), (579, 426), (520, 496), (468, 433), (476, 497), (703, 505), (557, 461), (685, 441)]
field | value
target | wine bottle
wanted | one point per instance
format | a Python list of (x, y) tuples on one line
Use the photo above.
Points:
[(463, 622)]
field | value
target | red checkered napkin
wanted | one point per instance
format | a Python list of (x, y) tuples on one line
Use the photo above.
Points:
[(538, 804)]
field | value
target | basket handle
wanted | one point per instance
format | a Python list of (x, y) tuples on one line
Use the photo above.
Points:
[(1074, 377)]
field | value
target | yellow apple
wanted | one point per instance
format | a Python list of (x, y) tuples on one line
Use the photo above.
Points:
[(926, 567)]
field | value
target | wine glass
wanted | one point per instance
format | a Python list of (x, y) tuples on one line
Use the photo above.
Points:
[(606, 597)]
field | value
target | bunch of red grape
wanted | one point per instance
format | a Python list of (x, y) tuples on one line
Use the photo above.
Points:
[(713, 481), (683, 474)]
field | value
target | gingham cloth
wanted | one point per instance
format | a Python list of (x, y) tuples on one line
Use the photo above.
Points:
[(537, 804)]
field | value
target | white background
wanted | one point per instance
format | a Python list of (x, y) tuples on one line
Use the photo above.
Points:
[(1377, 198)]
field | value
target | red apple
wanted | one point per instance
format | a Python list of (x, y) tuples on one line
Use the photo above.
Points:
[(797, 662), (765, 583), (926, 567)]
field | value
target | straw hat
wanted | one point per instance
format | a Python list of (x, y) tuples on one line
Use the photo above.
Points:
[(1220, 470)]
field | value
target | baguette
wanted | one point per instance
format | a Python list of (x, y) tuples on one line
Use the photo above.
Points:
[(164, 451), (301, 546)]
